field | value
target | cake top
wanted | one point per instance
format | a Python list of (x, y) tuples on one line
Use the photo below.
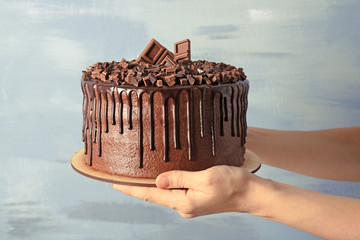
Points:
[(157, 66)]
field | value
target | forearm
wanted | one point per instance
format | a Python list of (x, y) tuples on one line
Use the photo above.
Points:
[(332, 154), (327, 216)]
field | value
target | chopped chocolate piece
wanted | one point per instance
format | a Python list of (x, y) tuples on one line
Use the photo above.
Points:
[(216, 78), (139, 69), (183, 68), (183, 81), (102, 77), (132, 64), (159, 76), (159, 83), (124, 65), (170, 70), (96, 73), (117, 69), (130, 79), (138, 78), (225, 77), (210, 75), (170, 83), (190, 79), (147, 81), (182, 50), (170, 78), (207, 69), (134, 82), (198, 79), (152, 52), (207, 81), (193, 72), (98, 65), (123, 75), (154, 70), (200, 70), (232, 78), (152, 78), (180, 74), (114, 76), (168, 61), (105, 64)]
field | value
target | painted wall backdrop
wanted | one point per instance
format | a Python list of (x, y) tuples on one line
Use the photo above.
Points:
[(302, 59)]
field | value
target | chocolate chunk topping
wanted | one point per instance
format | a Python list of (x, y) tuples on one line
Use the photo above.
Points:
[(143, 74), (159, 83), (158, 67)]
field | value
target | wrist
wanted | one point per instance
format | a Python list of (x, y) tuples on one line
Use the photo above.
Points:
[(260, 195)]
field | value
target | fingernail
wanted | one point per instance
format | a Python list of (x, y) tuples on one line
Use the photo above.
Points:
[(163, 182)]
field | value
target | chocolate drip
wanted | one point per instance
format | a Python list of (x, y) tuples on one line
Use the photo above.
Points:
[(140, 124), (151, 118), (202, 112), (94, 119), (221, 107), (92, 109), (238, 111), (121, 110), (106, 114), (98, 122), (85, 111), (130, 110), (226, 119), (113, 122), (244, 113), (189, 110), (166, 130), (232, 112), (176, 122)]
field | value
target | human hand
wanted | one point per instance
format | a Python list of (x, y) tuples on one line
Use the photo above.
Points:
[(191, 194)]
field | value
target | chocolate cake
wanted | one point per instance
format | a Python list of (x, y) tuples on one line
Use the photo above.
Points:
[(163, 112)]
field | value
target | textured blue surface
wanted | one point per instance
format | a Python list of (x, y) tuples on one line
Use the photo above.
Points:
[(302, 59)]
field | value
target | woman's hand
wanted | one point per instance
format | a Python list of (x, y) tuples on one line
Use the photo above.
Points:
[(217, 189)]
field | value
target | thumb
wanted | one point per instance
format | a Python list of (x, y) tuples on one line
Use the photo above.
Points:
[(177, 180)]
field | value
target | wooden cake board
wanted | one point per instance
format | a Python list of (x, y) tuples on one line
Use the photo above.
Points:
[(252, 163)]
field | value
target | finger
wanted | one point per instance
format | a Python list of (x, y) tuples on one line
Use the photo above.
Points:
[(179, 180), (164, 197)]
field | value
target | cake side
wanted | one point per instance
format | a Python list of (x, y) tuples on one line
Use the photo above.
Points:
[(142, 132)]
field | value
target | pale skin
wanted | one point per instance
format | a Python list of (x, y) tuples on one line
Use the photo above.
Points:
[(330, 154)]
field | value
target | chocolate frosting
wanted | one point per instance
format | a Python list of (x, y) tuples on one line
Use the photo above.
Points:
[(219, 111)]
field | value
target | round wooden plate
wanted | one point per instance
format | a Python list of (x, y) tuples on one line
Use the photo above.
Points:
[(252, 163)]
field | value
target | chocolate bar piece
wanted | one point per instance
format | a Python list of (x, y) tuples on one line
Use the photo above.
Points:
[(155, 53), (182, 51), (152, 52)]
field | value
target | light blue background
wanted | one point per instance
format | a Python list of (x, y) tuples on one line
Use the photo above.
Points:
[(302, 59)]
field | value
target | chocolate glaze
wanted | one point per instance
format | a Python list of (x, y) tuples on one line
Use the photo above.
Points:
[(103, 99)]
